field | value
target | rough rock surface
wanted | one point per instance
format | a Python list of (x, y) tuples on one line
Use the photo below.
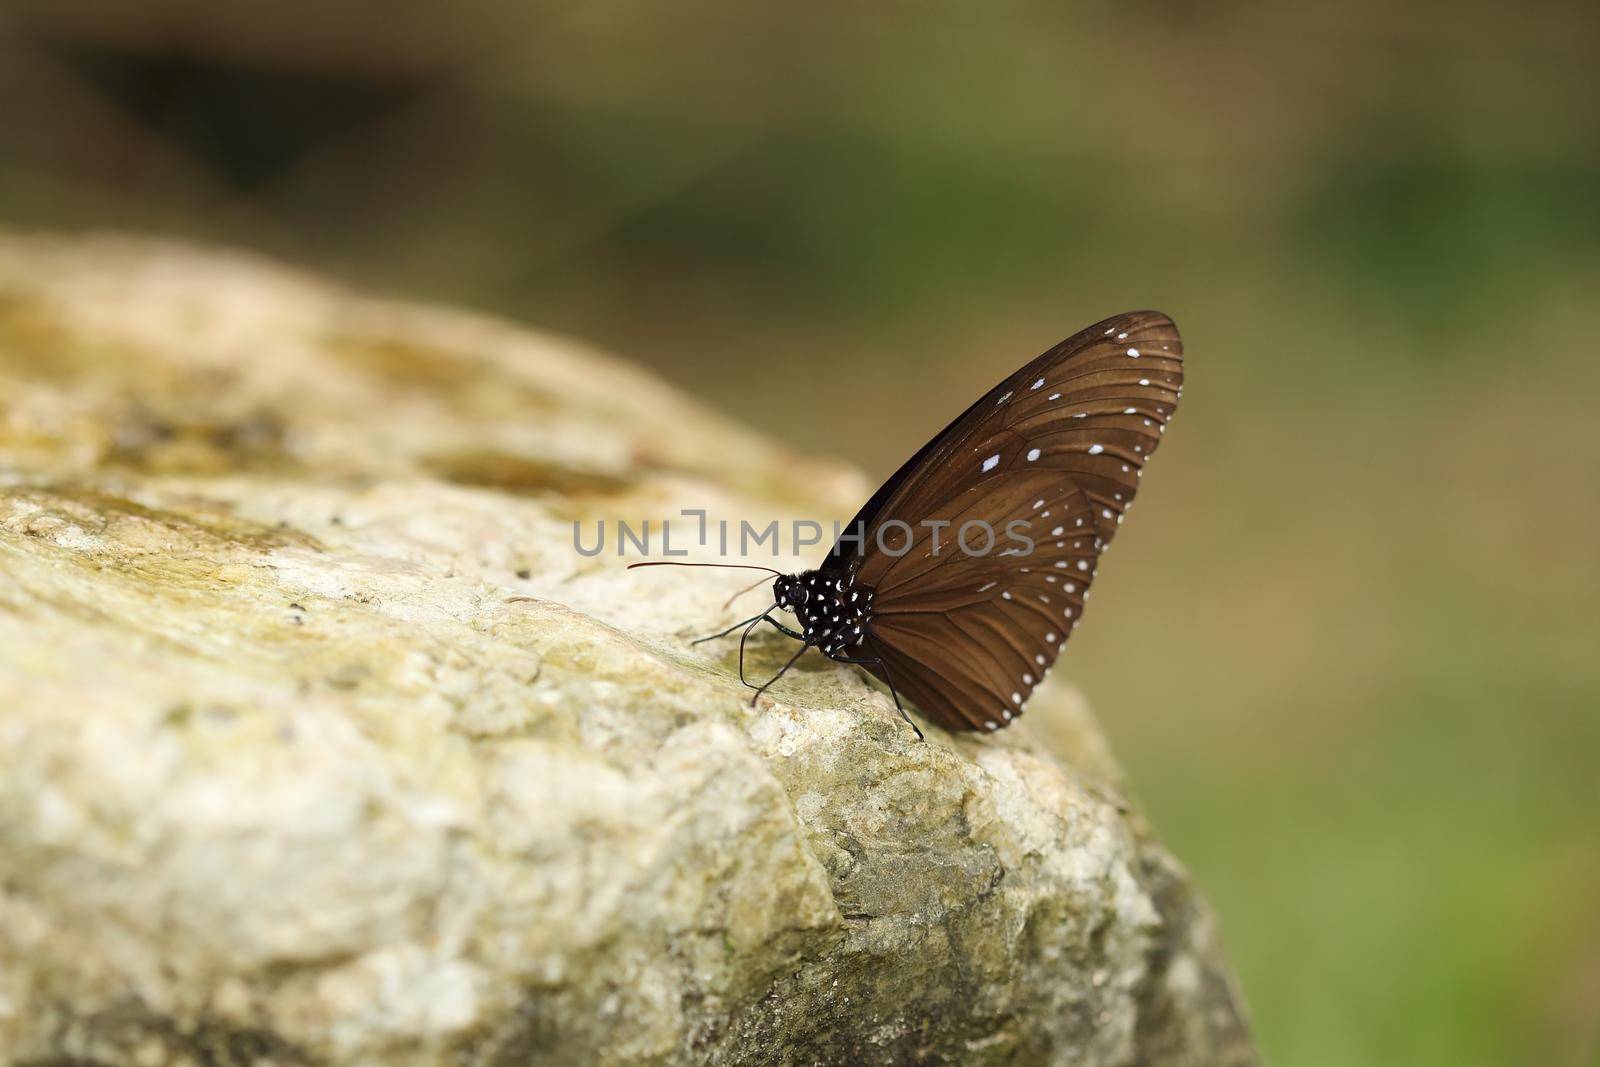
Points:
[(319, 743)]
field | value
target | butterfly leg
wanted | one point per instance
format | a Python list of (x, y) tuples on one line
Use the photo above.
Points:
[(742, 592), (729, 630), (892, 691), (797, 635), (746, 636), (792, 660), (897, 705), (742, 639)]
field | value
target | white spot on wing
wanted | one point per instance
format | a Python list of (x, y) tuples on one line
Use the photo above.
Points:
[(992, 462), (1095, 450)]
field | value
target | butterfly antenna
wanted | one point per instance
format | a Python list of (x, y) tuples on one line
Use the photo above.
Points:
[(730, 566)]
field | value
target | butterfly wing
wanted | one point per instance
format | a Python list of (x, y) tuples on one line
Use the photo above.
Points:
[(973, 635), (1054, 452)]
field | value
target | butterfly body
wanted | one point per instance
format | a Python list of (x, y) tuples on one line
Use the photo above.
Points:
[(833, 610)]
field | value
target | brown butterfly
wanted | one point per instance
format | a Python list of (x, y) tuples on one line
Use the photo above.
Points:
[(1039, 473)]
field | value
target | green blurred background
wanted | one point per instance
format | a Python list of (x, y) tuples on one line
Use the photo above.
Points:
[(1348, 650)]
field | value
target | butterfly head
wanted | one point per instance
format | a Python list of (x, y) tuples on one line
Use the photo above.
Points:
[(789, 591)]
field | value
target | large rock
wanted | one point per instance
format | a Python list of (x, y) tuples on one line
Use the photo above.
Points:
[(321, 745)]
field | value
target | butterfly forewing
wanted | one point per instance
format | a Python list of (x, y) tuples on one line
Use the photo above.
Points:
[(1058, 447)]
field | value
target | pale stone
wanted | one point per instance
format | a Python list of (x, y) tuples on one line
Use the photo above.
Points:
[(295, 768)]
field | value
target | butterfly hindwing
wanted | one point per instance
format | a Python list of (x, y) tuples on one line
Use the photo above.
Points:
[(989, 627)]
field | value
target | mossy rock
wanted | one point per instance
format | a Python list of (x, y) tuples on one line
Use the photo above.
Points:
[(321, 744)]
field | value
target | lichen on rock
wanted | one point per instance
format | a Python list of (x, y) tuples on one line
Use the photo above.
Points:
[(322, 745)]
